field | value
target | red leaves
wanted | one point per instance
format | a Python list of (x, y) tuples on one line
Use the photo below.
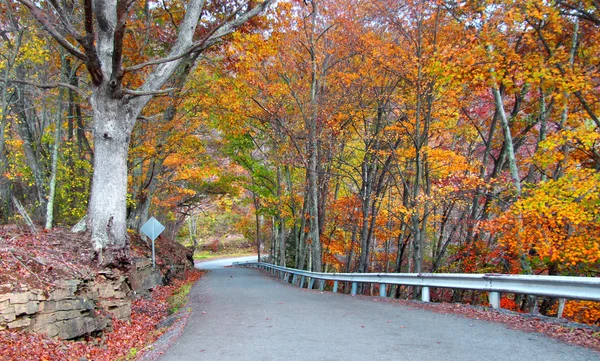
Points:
[(37, 261)]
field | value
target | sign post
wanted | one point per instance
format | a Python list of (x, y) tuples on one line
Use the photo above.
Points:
[(153, 229)]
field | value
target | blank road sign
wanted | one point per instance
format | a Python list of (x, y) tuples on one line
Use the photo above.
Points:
[(152, 228)]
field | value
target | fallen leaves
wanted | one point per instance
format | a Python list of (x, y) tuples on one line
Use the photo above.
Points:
[(36, 261)]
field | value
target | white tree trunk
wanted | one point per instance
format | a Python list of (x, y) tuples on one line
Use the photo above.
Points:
[(510, 151), (107, 208), (54, 168)]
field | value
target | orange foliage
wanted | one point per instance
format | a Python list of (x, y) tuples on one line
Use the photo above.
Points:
[(555, 226), (582, 311)]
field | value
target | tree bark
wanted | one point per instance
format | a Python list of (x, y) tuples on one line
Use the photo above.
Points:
[(256, 203), (509, 147), (313, 151), (31, 145), (54, 166), (281, 221), (112, 125)]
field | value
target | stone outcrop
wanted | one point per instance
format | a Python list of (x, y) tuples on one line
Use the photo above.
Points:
[(53, 283), (71, 309), (143, 277)]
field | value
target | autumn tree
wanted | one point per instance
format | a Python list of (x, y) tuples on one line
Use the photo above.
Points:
[(94, 33)]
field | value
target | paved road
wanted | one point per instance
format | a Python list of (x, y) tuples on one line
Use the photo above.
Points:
[(225, 262), (243, 314)]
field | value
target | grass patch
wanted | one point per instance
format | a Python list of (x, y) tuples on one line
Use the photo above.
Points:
[(179, 298), (204, 255)]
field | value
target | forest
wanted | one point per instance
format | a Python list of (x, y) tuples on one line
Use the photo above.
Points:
[(341, 135)]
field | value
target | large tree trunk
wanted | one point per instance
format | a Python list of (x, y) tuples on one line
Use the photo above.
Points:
[(301, 245), (107, 208)]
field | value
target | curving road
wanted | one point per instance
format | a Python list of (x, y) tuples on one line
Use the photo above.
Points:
[(224, 262), (242, 314)]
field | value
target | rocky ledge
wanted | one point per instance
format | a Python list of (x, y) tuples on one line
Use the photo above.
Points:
[(77, 307)]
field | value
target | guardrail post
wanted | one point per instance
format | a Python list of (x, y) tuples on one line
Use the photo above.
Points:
[(335, 286), (302, 282), (294, 279), (495, 300), (311, 283), (382, 290), (561, 307), (321, 285), (425, 294), (286, 277), (354, 286)]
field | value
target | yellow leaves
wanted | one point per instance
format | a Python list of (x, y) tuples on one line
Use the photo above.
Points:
[(582, 141), (557, 221), (34, 51), (444, 162)]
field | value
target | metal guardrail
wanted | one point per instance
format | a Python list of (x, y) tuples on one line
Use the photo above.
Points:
[(562, 287)]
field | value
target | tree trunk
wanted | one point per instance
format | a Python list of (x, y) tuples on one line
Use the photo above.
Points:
[(257, 220), (54, 166), (107, 209), (351, 251), (301, 246), (366, 194), (4, 181), (509, 147), (280, 219), (31, 146), (10, 58), (139, 214), (313, 211)]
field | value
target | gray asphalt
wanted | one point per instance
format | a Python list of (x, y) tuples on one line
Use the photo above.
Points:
[(243, 314), (225, 262)]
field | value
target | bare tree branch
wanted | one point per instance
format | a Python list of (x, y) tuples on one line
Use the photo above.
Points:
[(66, 22), (117, 58), (41, 17), (139, 93), (48, 85), (93, 62), (580, 12), (213, 37)]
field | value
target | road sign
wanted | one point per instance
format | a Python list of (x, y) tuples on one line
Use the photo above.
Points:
[(153, 229)]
